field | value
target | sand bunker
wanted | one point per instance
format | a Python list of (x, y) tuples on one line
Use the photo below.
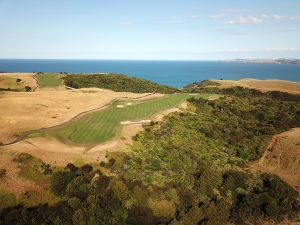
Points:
[(144, 122)]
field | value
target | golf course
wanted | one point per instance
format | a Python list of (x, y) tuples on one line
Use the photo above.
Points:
[(100, 126)]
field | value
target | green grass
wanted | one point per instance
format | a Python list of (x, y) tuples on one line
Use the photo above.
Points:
[(98, 127), (29, 170), (34, 135), (49, 80), (8, 82), (7, 199), (79, 162)]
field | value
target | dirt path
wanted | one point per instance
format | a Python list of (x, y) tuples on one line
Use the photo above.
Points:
[(270, 147)]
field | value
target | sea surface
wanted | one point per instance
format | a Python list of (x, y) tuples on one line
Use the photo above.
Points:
[(173, 73)]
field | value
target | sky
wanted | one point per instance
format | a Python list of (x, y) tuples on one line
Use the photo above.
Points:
[(149, 30)]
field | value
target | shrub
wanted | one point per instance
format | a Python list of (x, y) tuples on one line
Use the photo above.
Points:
[(162, 208), (85, 169), (60, 180), (2, 172), (27, 89), (22, 157)]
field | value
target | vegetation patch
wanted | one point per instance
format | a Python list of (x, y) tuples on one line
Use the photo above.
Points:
[(7, 199), (116, 82), (12, 84), (190, 169), (49, 80), (103, 125), (34, 135), (33, 169)]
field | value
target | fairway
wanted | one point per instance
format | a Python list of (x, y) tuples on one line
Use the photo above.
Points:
[(98, 127), (49, 80)]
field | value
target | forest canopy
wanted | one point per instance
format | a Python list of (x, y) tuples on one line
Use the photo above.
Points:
[(116, 82)]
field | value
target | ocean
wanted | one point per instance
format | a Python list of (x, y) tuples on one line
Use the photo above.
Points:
[(173, 73)]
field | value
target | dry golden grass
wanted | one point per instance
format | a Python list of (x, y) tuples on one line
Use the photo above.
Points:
[(20, 112), (283, 158), (8, 80), (263, 85)]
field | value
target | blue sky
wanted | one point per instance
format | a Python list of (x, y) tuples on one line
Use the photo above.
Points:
[(156, 29)]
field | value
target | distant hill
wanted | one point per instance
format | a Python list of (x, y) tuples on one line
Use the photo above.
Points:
[(284, 92), (116, 82), (268, 61), (261, 85)]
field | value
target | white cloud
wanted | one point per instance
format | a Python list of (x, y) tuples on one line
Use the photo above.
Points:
[(245, 20), (282, 49), (295, 18), (237, 50), (241, 17), (265, 16), (277, 17), (232, 11), (127, 23), (287, 18)]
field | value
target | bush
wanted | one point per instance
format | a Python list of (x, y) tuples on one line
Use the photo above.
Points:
[(2, 172), (27, 89), (116, 82), (85, 169), (22, 157), (71, 167), (60, 180)]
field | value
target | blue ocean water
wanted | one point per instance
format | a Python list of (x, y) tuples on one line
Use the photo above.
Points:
[(173, 73)]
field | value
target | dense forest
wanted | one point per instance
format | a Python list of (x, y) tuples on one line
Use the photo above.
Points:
[(116, 82), (189, 169)]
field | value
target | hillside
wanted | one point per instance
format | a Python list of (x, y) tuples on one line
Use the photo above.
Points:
[(191, 168), (261, 85), (116, 82)]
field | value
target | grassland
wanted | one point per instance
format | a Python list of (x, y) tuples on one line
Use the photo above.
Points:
[(103, 125), (17, 82), (261, 85), (49, 80)]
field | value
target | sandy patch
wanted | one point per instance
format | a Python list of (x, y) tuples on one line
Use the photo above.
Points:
[(263, 85), (20, 112), (282, 157), (136, 122)]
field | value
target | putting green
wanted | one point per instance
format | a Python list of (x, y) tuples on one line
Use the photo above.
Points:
[(101, 126)]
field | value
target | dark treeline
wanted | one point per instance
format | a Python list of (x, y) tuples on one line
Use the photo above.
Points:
[(190, 169), (116, 82)]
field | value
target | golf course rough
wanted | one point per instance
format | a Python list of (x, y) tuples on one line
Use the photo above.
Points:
[(101, 126)]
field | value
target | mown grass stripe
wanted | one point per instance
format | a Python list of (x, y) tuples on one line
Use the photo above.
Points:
[(103, 125)]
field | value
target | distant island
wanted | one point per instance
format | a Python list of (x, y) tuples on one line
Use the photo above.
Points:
[(267, 61)]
